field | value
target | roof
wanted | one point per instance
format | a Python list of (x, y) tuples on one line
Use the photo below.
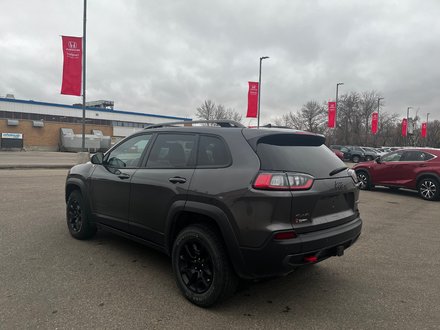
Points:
[(58, 105)]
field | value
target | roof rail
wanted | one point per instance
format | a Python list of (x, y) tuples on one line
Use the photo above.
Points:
[(271, 126), (221, 123)]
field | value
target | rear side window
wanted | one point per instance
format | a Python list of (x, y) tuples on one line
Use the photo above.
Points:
[(212, 152), (292, 155), (413, 156), (416, 156), (428, 156), (172, 151)]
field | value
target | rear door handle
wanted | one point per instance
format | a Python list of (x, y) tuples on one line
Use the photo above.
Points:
[(177, 179), (123, 176), (422, 165)]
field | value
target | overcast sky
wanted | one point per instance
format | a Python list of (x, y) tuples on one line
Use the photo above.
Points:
[(167, 57)]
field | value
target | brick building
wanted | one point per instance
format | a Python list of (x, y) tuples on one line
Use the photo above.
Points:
[(39, 123)]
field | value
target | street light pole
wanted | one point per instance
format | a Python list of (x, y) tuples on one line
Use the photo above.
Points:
[(407, 124), (83, 147), (336, 109), (426, 139), (259, 90), (378, 118), (337, 94), (378, 110)]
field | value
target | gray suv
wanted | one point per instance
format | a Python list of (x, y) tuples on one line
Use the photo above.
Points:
[(224, 201)]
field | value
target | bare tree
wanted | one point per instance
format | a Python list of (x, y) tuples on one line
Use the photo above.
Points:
[(368, 105), (206, 111), (387, 129), (227, 113), (354, 122), (313, 117), (210, 111), (292, 120), (310, 118), (433, 134), (349, 123)]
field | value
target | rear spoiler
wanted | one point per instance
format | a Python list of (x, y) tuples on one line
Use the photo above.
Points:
[(282, 137)]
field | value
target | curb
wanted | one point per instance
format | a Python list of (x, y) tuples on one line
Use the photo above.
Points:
[(35, 166)]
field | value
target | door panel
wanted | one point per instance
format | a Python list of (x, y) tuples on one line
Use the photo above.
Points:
[(110, 182), (387, 172), (110, 195), (153, 193), (164, 180), (412, 162)]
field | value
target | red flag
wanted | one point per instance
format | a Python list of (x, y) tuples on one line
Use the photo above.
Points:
[(72, 67), (374, 121), (252, 100), (404, 126), (424, 129), (331, 114)]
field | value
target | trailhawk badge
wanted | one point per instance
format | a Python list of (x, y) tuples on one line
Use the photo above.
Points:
[(339, 185)]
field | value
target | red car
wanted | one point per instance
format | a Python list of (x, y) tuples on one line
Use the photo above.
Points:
[(417, 169), (339, 153)]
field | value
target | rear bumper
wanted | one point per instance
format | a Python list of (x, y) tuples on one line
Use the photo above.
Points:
[(281, 257)]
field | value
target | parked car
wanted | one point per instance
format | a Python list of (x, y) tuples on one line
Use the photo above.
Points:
[(384, 150), (369, 153), (224, 202), (376, 152), (338, 153), (336, 146), (353, 153), (349, 154), (417, 169)]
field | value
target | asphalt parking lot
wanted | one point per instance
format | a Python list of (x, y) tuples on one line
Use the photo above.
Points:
[(389, 279)]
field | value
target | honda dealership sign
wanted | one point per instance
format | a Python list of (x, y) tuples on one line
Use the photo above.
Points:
[(12, 136), (11, 141)]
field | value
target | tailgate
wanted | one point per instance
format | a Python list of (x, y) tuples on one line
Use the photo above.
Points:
[(329, 203)]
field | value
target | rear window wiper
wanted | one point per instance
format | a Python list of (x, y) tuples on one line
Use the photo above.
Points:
[(337, 170)]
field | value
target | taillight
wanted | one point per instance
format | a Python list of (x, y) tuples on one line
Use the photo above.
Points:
[(299, 181), (353, 175), (283, 181), (282, 235)]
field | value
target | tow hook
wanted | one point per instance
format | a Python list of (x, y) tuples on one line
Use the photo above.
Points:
[(340, 250)]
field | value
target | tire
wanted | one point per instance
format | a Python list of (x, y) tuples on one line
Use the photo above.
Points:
[(78, 218), (429, 189), (355, 159), (364, 179), (201, 266), (368, 158)]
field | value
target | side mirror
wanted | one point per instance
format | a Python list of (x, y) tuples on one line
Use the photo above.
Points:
[(97, 158), (378, 160)]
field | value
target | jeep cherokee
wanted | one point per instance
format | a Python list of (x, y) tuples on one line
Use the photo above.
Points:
[(224, 202)]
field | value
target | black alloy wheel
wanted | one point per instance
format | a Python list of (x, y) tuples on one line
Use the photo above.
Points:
[(77, 216), (74, 215), (429, 189), (356, 159), (195, 266), (201, 266), (364, 180)]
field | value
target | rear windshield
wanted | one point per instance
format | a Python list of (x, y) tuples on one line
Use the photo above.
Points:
[(316, 160)]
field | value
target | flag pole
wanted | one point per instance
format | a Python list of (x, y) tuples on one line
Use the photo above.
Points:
[(84, 79)]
